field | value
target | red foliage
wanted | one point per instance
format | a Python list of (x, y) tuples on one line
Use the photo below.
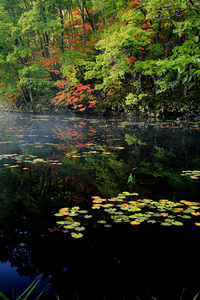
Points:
[(134, 3), (80, 97)]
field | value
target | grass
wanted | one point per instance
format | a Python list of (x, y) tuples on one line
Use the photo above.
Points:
[(27, 291)]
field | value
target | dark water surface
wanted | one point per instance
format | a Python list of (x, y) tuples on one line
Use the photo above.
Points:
[(52, 162)]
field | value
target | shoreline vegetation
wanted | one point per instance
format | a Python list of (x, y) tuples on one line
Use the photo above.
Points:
[(104, 57)]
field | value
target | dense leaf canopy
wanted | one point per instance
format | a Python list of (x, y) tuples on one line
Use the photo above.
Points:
[(107, 55)]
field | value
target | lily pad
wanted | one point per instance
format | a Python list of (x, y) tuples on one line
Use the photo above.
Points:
[(88, 216), (59, 215), (177, 223), (101, 222), (166, 223), (80, 228), (76, 235)]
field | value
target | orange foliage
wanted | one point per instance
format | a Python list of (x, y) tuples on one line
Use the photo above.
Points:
[(134, 3), (100, 25), (131, 60), (50, 63)]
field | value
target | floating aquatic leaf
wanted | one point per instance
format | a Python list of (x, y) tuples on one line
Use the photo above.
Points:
[(186, 216), (88, 216), (107, 205), (64, 209), (95, 207), (69, 226), (164, 214), (76, 235), (83, 211), (97, 201), (157, 215), (197, 224), (177, 223), (80, 228), (133, 216), (75, 208), (117, 221), (132, 209), (113, 199), (111, 210), (135, 223), (73, 214), (59, 215), (196, 213), (61, 222), (69, 218), (166, 224), (101, 222), (189, 211), (178, 209), (126, 193)]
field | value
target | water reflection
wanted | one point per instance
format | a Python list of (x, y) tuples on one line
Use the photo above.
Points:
[(49, 162)]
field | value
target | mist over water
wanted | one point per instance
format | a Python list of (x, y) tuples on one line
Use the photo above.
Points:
[(52, 162)]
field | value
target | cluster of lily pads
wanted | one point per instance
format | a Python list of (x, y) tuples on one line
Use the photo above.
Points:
[(191, 174), (19, 159), (126, 208)]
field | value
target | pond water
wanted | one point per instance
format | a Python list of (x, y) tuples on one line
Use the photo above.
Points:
[(101, 208)]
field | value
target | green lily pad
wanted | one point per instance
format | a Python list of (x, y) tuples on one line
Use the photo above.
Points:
[(73, 214), (101, 222), (69, 226), (88, 216), (177, 223), (133, 216), (186, 217), (58, 215), (76, 235), (61, 222), (166, 224), (80, 228)]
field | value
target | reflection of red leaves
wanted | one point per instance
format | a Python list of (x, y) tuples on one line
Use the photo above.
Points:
[(92, 129), (81, 145)]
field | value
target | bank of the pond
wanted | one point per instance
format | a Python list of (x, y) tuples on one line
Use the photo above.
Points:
[(162, 113)]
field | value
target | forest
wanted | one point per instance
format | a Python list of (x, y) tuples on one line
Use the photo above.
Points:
[(103, 56)]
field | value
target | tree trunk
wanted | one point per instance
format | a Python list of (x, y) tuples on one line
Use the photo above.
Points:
[(30, 94), (69, 35), (83, 19), (62, 29), (104, 17)]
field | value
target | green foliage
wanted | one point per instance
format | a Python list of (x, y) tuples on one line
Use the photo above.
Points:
[(129, 51)]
